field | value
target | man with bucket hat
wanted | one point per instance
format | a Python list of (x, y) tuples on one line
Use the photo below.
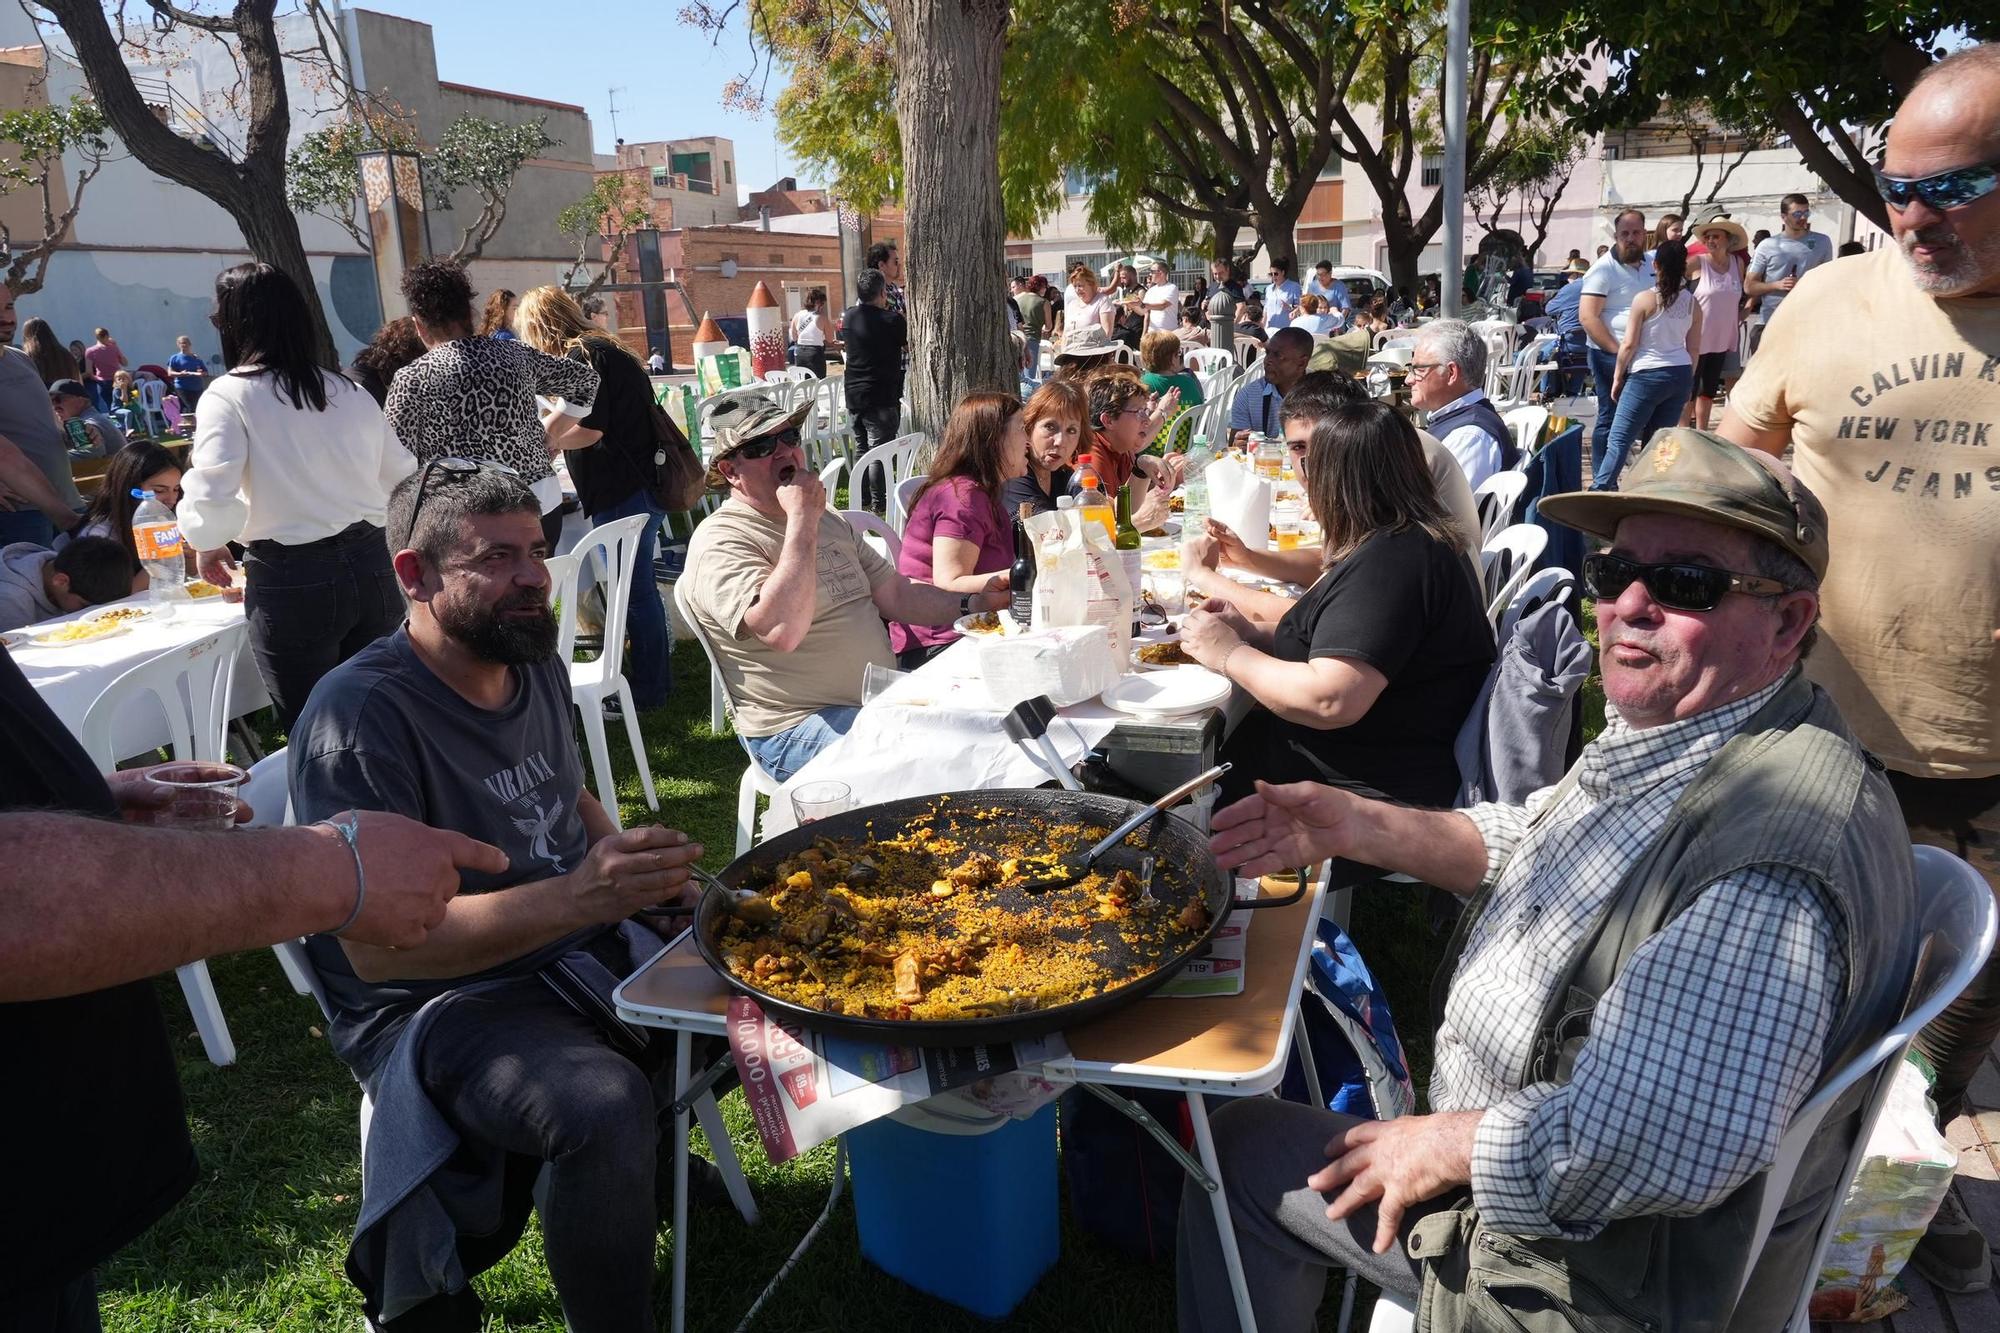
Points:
[(791, 599), (1663, 956)]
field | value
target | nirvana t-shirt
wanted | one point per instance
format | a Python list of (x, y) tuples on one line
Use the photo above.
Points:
[(733, 551), (621, 462), (382, 732), (1895, 426), (1408, 606), (98, 1135)]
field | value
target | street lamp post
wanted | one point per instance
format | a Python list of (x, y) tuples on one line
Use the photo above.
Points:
[(1457, 55), (392, 195)]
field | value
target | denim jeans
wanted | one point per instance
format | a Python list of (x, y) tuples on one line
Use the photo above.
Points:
[(313, 606), (1603, 366), (100, 394), (515, 1068), (26, 525), (789, 751), (1652, 400), (649, 664)]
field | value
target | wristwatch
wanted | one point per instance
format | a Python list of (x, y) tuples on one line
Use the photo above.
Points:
[(965, 604)]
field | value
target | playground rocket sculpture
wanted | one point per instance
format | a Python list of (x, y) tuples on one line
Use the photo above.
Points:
[(709, 339), (767, 333)]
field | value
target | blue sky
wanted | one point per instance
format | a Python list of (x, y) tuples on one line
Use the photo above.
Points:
[(670, 77)]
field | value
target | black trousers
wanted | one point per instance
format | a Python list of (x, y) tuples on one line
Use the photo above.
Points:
[(70, 1308), (873, 425), (1961, 815), (313, 606)]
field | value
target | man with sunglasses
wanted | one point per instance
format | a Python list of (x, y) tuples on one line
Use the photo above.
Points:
[(791, 599), (1895, 422), (1654, 973), (490, 1051), (1781, 260)]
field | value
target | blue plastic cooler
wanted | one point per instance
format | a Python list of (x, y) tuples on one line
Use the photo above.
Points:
[(967, 1216)]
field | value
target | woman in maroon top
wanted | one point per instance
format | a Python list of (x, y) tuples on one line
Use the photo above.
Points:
[(958, 536)]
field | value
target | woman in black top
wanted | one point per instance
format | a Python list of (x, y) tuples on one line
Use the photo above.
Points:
[(1055, 417), (1365, 682), (610, 456), (374, 367)]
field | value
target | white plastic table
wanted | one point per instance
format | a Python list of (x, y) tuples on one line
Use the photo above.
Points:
[(70, 677), (1232, 1046)]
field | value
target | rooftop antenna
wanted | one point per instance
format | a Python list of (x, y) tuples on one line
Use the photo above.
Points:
[(612, 95)]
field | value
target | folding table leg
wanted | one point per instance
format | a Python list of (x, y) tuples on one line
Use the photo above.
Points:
[(1218, 1201), (805, 1242), (683, 1069)]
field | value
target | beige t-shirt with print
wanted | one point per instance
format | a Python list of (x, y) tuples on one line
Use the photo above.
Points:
[(1893, 401), (731, 554)]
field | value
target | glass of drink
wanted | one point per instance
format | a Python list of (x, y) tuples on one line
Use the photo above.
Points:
[(820, 800), (199, 795), (1289, 529), (1270, 457)]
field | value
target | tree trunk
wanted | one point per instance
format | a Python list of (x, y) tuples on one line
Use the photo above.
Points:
[(1277, 235), (1848, 184), (1406, 254), (948, 111)]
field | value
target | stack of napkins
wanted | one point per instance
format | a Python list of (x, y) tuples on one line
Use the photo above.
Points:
[(1069, 663)]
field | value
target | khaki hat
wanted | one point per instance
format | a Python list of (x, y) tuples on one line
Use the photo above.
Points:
[(1578, 265), (741, 420), (1716, 219), (1701, 475)]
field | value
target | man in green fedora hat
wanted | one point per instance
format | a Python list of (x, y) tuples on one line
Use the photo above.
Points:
[(1663, 957)]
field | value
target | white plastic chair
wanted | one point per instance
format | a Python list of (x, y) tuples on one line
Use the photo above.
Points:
[(1249, 352), (895, 457), (191, 684), (1177, 435), (870, 528), (755, 781), (1507, 561), (591, 683), (1495, 499), (903, 499), (1205, 361), (789, 375), (267, 791), (153, 406), (1546, 585), (1955, 918), (1527, 423), (562, 600), (829, 476)]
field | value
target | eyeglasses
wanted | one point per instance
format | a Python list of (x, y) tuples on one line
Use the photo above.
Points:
[(455, 468), (1679, 587), (1799, 214), (764, 445), (1416, 370), (1945, 190)]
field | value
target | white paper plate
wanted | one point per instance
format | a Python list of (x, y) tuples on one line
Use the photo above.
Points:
[(13, 638), (1168, 693), (1138, 664), (965, 624), (41, 641), (128, 614)]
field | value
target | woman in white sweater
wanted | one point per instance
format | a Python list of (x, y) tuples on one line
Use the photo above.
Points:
[(295, 463)]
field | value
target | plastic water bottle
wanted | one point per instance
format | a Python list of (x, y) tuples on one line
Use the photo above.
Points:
[(1194, 489), (156, 535)]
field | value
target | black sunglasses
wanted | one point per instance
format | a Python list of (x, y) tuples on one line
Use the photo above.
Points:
[(455, 468), (1944, 191), (764, 445), (1679, 587)]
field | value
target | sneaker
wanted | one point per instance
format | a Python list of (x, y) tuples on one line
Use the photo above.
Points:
[(613, 710), (1953, 1253)]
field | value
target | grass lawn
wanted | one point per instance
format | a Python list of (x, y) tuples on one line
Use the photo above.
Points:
[(259, 1243)]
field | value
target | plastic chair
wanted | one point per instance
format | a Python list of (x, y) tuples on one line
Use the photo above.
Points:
[(152, 407), (903, 499), (171, 407), (755, 781), (1249, 352), (1527, 423), (894, 457), (1205, 361), (829, 476), (1554, 584), (867, 526), (1495, 499), (192, 685), (1955, 915), (267, 790), (591, 683), (562, 600), (1180, 430), (1508, 561)]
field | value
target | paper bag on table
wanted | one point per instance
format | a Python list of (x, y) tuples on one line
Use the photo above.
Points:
[(1113, 599), (1062, 570), (1241, 500)]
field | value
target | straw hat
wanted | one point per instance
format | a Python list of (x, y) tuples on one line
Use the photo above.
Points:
[(1717, 220)]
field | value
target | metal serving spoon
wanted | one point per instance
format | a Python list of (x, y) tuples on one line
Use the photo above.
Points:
[(1070, 874)]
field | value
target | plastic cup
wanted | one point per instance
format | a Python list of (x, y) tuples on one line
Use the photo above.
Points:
[(820, 800), (200, 796)]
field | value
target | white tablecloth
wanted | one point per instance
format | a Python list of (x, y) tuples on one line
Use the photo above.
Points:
[(936, 732), (70, 678)]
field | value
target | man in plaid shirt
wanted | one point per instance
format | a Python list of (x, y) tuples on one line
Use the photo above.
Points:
[(1711, 1032)]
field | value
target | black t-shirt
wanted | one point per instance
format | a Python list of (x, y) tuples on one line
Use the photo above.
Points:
[(872, 341), (608, 472), (1024, 490), (97, 1138), (1408, 606)]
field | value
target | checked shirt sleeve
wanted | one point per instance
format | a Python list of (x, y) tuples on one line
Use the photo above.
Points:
[(1699, 1054), (1503, 827)]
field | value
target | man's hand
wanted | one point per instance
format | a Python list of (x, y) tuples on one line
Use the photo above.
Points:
[(1786, 284), (1231, 549), (1201, 550), (1240, 439), (1394, 1164), (1150, 514), (804, 496), (139, 798), (995, 595), (412, 871), (1283, 827), (640, 867)]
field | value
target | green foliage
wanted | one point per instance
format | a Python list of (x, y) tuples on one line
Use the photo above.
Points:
[(482, 155), (38, 136)]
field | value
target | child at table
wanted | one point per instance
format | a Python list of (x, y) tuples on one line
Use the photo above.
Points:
[(37, 583)]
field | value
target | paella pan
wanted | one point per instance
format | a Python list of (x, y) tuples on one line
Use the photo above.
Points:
[(920, 920)]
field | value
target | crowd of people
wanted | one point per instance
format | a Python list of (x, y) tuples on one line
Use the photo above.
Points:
[(1647, 954)]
